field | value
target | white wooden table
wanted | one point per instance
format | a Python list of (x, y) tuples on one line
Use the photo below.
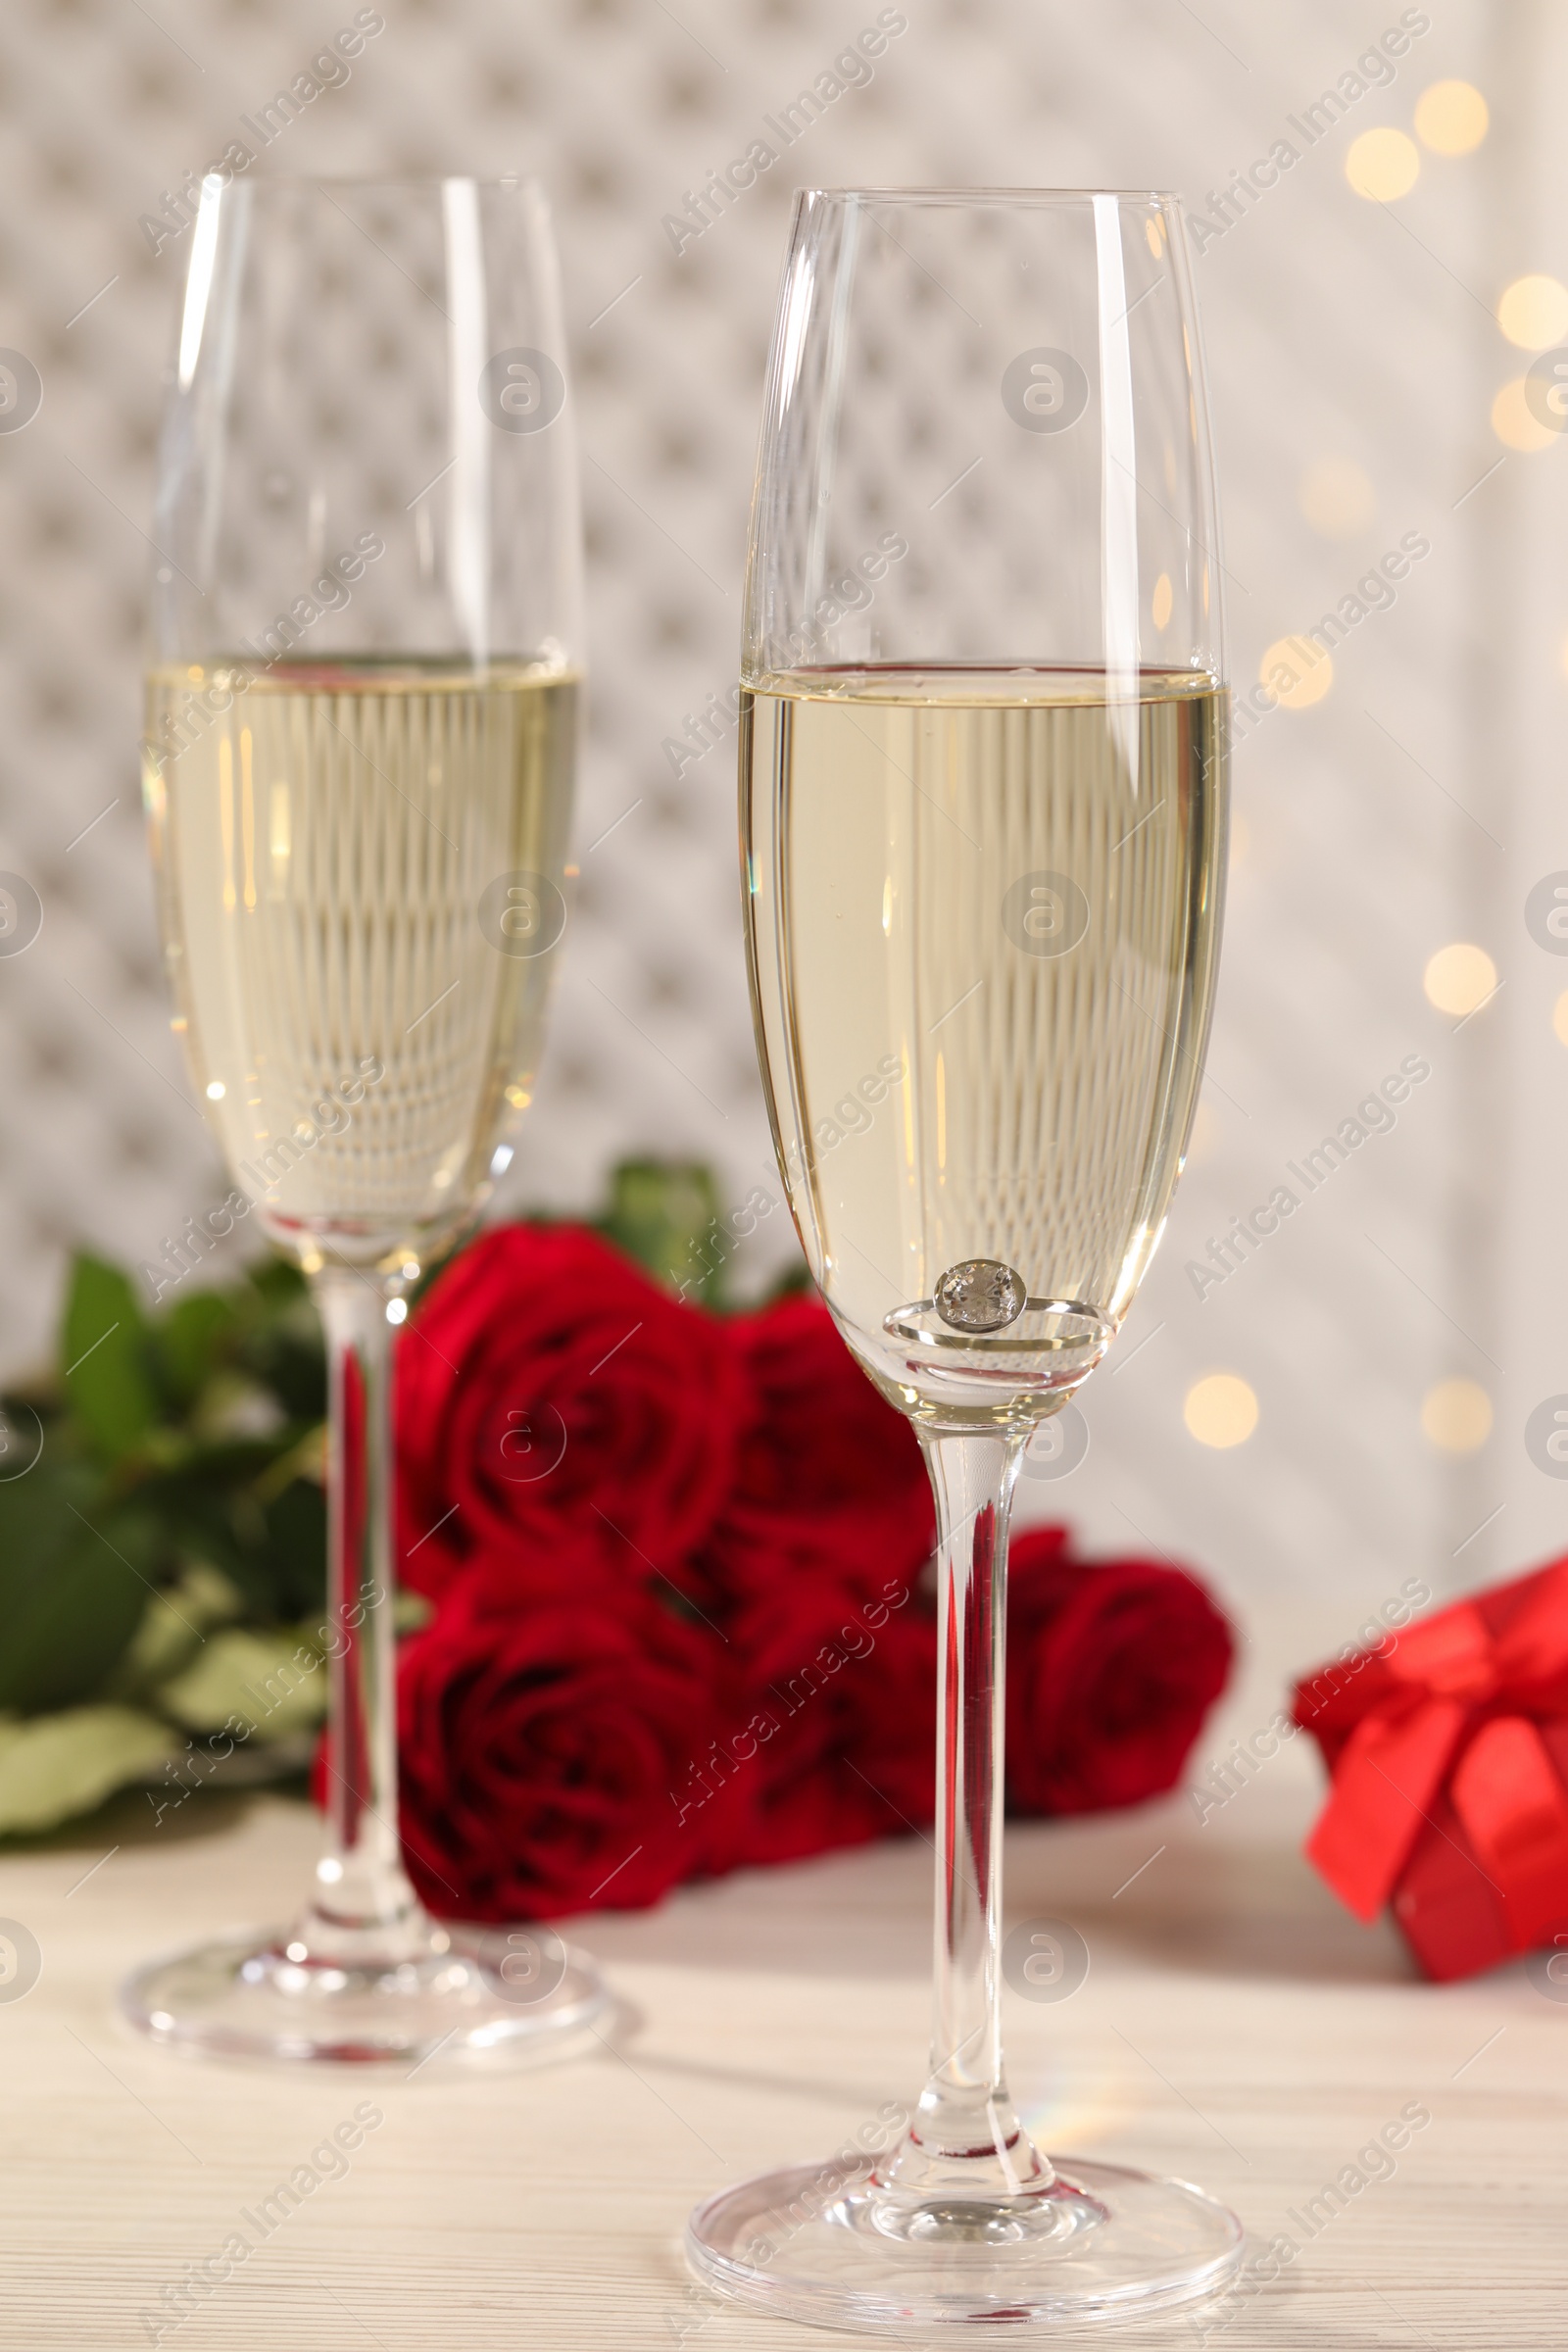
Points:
[(1235, 2027)]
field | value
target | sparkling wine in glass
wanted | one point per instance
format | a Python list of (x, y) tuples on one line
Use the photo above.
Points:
[(358, 767), (983, 808)]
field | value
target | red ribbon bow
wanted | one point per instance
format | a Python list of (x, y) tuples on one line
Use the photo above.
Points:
[(1455, 1703)]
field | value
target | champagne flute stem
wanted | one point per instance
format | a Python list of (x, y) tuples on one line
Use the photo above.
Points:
[(364, 1903), (966, 2139)]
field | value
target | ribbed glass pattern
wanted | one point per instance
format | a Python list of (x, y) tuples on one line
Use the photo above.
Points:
[(983, 923), (326, 847)]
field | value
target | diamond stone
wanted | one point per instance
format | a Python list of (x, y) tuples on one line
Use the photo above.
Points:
[(980, 1294)]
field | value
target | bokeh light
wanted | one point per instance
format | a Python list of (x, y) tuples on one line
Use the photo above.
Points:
[(1220, 1410), (1298, 672), (1239, 841), (1337, 498), (1451, 118), (1513, 423), (1200, 1144), (1458, 978), (1383, 164), (1533, 312), (1159, 605), (1456, 1416)]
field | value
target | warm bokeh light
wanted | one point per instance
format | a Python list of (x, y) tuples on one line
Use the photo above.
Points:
[(1205, 1134), (1383, 164), (1460, 978), (1220, 1410), (1533, 313), (1298, 672), (1241, 840), (1337, 498), (1559, 1018), (1159, 605), (1456, 1415), (1451, 118), (1514, 423)]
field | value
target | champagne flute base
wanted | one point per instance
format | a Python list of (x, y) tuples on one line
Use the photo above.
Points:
[(826, 2245), (263, 1996)]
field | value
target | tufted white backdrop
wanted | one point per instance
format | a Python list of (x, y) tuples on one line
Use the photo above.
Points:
[(1409, 806)]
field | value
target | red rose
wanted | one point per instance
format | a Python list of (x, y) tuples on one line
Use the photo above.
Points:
[(546, 1747), (839, 1690), (548, 1391), (1112, 1667), (822, 1457)]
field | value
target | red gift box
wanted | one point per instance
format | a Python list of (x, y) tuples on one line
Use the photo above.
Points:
[(1448, 1747)]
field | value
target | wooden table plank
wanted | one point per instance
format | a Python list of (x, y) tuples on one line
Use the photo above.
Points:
[(1235, 2027)]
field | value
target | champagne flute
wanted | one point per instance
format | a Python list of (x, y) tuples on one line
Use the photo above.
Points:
[(983, 800), (358, 770)]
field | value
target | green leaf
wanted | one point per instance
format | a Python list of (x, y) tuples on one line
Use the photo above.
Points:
[(278, 1283), (273, 1679), (200, 1519), (235, 1506), (190, 1340), (285, 1351), (75, 1578), (664, 1215), (172, 1628), (410, 1611), (61, 1765), (105, 1358), (293, 1548), (227, 1464)]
